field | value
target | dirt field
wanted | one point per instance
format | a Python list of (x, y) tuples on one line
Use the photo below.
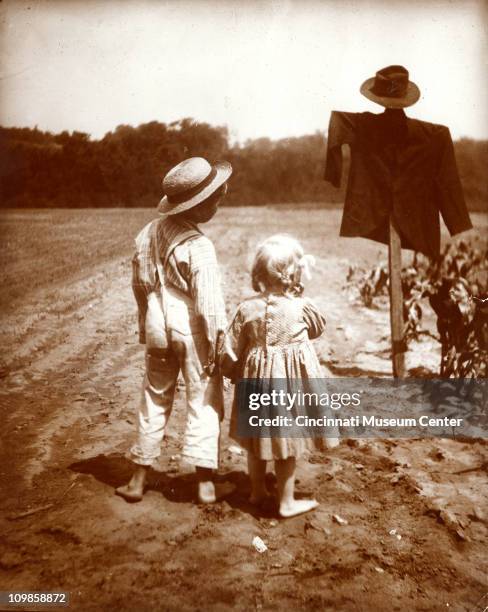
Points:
[(71, 372)]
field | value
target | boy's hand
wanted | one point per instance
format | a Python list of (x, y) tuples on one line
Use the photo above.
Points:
[(210, 368)]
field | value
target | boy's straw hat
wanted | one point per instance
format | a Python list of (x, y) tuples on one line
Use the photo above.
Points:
[(391, 88), (190, 183)]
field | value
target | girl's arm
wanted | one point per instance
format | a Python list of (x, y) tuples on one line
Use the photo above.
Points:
[(232, 347), (314, 319)]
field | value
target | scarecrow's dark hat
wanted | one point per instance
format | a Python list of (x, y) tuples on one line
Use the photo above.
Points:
[(391, 88)]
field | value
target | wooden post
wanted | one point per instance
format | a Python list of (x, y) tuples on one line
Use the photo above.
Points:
[(396, 302)]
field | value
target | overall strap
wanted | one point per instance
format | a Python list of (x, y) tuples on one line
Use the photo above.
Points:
[(167, 235), (160, 277), (173, 235), (156, 255)]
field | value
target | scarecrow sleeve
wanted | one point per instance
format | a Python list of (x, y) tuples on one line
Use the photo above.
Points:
[(341, 131), (314, 319), (449, 190), (206, 291)]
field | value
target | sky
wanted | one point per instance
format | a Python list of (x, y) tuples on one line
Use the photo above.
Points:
[(267, 68)]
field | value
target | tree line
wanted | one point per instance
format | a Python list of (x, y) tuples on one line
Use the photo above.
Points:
[(125, 167)]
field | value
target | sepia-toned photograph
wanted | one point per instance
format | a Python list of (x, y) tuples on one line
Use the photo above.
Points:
[(244, 305)]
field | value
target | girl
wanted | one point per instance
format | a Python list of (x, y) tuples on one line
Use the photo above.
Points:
[(269, 338)]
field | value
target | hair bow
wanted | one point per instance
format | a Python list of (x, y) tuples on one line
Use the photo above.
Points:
[(305, 264)]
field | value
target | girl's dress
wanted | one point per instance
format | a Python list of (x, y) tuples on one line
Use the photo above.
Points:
[(269, 338)]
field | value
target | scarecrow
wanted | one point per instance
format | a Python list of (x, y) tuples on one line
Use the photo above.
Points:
[(402, 174)]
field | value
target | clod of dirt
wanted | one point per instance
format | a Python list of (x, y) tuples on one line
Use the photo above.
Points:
[(316, 523), (477, 514), (9, 560), (60, 535), (339, 520), (437, 454), (284, 558), (454, 525)]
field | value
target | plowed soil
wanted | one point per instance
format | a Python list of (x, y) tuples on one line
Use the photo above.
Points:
[(414, 534)]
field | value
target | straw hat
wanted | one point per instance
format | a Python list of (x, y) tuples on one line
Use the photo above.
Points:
[(190, 183), (391, 88)]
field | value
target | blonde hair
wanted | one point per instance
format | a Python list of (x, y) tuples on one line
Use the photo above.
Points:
[(280, 260)]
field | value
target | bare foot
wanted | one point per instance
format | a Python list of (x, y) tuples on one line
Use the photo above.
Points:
[(130, 493), (134, 489), (297, 506), (209, 492)]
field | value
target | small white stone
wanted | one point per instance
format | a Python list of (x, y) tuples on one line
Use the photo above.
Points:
[(259, 545)]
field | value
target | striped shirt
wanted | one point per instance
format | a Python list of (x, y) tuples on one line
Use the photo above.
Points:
[(189, 264)]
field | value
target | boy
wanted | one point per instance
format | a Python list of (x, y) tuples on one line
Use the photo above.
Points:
[(175, 264)]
